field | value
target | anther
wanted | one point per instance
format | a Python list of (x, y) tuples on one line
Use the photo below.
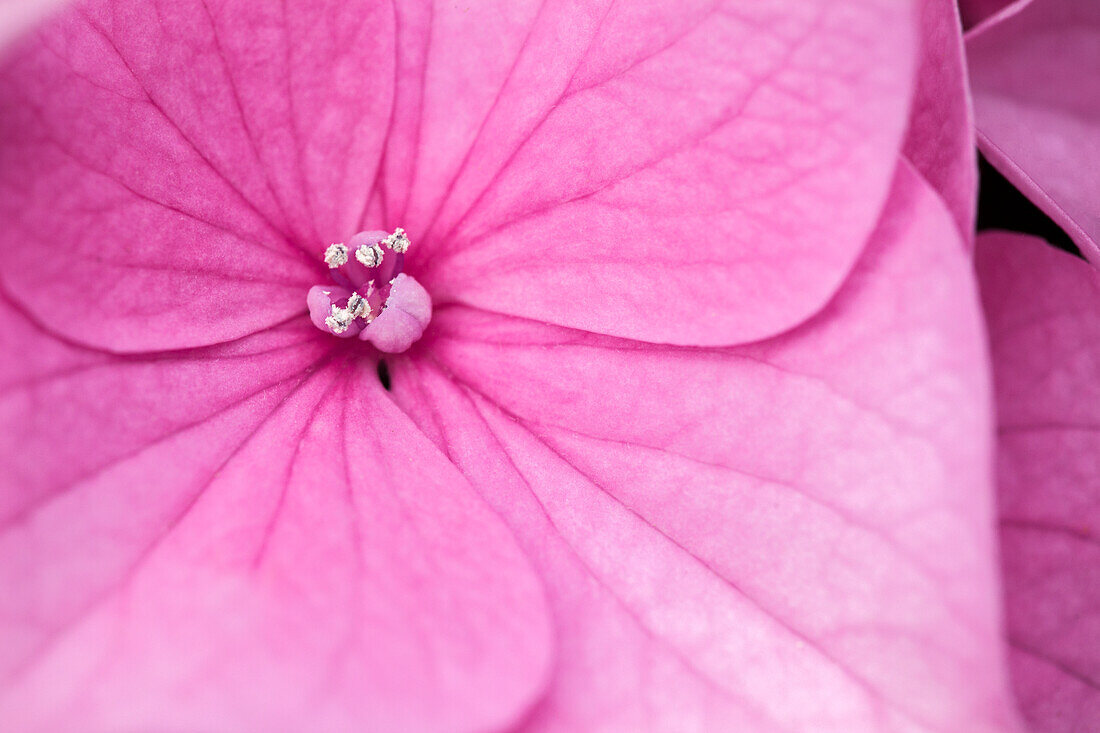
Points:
[(357, 306), (336, 255), (340, 319), (369, 255), (398, 241)]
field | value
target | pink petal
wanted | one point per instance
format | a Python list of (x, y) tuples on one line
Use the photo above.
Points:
[(16, 16), (1037, 105), (789, 535), (940, 142), (320, 299), (668, 170), (408, 312), (1041, 305), (178, 167), (231, 539)]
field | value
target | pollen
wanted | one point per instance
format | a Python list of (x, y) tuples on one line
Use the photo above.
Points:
[(336, 255), (340, 320), (357, 306), (369, 255), (398, 241)]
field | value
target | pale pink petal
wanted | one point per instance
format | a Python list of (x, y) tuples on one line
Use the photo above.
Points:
[(177, 168), (68, 413), (686, 171), (16, 16), (1042, 306), (408, 312), (231, 539), (790, 535), (940, 143), (320, 300), (1037, 106)]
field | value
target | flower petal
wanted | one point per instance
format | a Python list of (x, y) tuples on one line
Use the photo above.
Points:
[(18, 15), (234, 540), (1041, 305), (694, 172), (1038, 110), (177, 168), (408, 312), (794, 534), (940, 143)]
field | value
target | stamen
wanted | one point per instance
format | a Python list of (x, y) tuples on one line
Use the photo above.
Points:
[(336, 255), (369, 255), (398, 241), (340, 319), (380, 304), (357, 306)]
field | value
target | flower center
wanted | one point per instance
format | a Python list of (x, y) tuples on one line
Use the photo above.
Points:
[(371, 298)]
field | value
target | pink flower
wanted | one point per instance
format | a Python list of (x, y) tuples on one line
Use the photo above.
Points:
[(689, 428), (1037, 106), (1041, 305)]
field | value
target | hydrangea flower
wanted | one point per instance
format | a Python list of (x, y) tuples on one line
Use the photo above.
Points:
[(1041, 306), (678, 417)]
